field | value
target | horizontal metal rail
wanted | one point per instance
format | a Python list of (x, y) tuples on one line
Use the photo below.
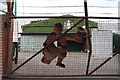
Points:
[(93, 17), (24, 17), (90, 17), (65, 76)]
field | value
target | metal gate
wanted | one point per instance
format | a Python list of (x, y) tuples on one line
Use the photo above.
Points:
[(29, 47), (30, 42)]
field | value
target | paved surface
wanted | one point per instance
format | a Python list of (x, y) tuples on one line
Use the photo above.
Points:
[(78, 78), (75, 65)]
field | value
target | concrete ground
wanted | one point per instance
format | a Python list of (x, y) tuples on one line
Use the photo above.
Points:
[(69, 78), (76, 64)]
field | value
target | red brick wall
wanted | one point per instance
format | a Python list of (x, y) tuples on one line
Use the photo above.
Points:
[(1, 44)]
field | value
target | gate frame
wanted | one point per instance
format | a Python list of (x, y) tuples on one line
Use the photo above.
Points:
[(87, 71), (7, 57), (7, 40)]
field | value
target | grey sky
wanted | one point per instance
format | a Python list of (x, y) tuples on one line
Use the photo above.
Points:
[(61, 7), (46, 7)]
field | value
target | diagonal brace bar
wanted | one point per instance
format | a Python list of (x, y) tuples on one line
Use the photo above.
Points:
[(104, 62)]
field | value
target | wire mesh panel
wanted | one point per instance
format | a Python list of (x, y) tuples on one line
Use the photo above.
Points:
[(103, 48), (35, 31)]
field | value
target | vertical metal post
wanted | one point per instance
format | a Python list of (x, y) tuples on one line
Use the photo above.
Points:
[(15, 7), (10, 36), (5, 48), (87, 27)]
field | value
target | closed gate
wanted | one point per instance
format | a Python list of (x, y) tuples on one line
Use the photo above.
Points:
[(27, 52), (103, 60)]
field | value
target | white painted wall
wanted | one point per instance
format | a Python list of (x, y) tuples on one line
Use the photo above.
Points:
[(119, 30), (15, 31), (102, 42), (108, 26), (119, 15), (32, 42)]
